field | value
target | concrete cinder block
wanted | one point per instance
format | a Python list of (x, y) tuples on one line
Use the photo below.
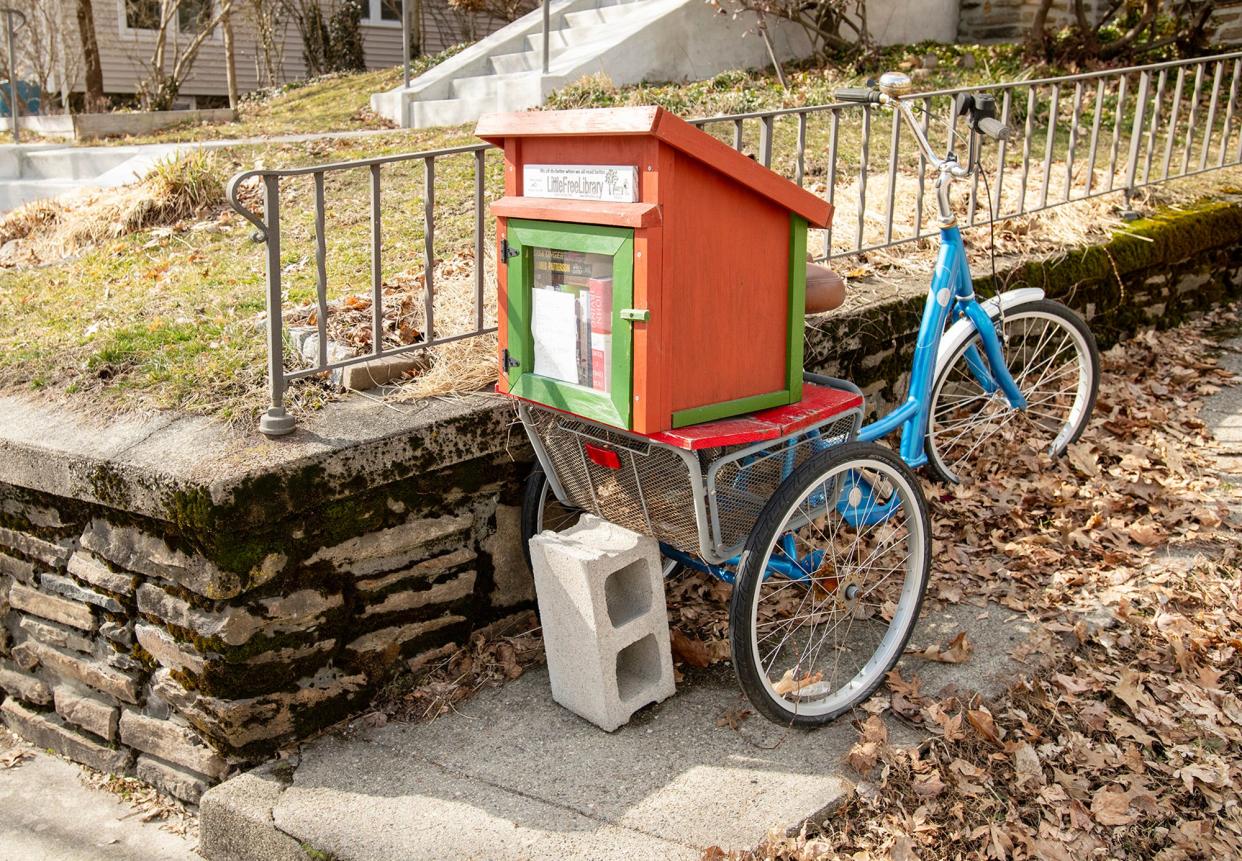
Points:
[(600, 590)]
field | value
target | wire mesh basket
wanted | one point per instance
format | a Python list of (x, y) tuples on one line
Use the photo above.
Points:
[(700, 502)]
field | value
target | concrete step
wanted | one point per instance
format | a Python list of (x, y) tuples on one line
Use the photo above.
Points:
[(509, 64), (452, 112), (482, 87), (511, 775), (15, 192), (73, 162), (571, 37), (601, 15)]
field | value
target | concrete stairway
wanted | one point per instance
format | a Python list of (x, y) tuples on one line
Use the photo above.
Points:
[(628, 40), (38, 171)]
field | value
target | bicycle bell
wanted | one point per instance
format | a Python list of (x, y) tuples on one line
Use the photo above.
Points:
[(895, 84)]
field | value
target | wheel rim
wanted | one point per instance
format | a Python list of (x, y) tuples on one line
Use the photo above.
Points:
[(820, 647), (562, 517), (1051, 364), (552, 514)]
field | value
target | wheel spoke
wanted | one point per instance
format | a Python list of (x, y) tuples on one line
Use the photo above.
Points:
[(1049, 362), (820, 652)]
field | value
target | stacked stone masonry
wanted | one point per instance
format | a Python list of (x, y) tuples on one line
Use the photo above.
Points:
[(135, 647), (1011, 20)]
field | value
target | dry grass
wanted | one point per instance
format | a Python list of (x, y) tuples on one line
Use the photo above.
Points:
[(186, 186)]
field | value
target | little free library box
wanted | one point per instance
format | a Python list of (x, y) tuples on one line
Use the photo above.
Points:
[(651, 277)]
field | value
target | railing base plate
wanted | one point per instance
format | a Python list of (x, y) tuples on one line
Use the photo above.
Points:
[(276, 422)]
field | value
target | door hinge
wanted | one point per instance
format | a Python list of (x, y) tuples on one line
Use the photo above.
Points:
[(510, 362), (506, 252), (636, 315)]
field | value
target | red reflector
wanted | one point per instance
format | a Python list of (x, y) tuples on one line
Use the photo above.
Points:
[(604, 457)]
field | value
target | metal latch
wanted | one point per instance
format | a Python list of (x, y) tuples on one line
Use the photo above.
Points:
[(507, 253), (636, 315), (509, 361)]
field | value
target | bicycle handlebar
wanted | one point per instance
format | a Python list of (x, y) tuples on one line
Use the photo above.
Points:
[(863, 95), (994, 129)]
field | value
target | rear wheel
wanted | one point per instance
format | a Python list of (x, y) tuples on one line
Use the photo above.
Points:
[(1053, 359), (830, 584), (541, 511)]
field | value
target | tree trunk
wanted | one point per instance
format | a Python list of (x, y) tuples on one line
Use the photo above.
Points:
[(90, 57), (230, 63), (1037, 43), (416, 30)]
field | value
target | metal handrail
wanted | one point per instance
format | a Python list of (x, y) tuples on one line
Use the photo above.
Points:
[(1134, 127)]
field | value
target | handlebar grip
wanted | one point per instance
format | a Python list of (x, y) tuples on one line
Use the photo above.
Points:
[(994, 129), (866, 95)]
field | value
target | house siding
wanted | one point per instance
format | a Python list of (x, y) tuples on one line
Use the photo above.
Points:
[(123, 52)]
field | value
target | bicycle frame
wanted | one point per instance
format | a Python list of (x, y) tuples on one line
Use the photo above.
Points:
[(950, 297)]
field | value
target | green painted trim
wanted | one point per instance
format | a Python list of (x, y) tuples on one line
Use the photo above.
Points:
[(589, 238), (797, 305), (726, 409), (572, 398), (614, 407)]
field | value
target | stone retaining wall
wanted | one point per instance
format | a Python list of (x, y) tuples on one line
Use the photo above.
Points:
[(177, 651), (1010, 20), (177, 602)]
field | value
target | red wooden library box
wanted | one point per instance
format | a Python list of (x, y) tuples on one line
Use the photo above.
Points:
[(651, 276)]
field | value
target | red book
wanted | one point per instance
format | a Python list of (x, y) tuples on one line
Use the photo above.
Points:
[(601, 331)]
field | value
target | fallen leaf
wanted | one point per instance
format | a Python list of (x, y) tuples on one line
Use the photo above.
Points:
[(15, 757), (863, 757), (981, 720), (733, 718), (1026, 763), (1129, 689), (955, 651), (1111, 807), (688, 650)]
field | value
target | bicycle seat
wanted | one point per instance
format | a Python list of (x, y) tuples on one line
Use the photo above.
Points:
[(825, 289)]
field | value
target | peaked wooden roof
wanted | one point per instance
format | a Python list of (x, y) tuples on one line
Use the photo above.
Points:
[(669, 128)]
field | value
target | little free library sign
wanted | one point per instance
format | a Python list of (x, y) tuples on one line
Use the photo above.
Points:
[(603, 182)]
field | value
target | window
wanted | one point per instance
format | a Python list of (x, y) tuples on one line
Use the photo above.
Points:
[(142, 14), (385, 11), (193, 15)]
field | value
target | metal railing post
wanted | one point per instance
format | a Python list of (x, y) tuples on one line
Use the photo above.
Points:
[(547, 29), (274, 422), (405, 43), (1136, 135), (14, 109)]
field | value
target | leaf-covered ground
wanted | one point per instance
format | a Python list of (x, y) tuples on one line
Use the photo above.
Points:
[(1125, 739)]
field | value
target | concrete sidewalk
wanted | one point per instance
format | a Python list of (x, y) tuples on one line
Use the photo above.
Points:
[(1223, 414), (512, 775), (47, 813)]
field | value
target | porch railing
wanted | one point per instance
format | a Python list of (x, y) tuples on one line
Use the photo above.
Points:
[(1080, 137)]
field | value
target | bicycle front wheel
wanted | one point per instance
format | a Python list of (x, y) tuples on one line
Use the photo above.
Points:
[(829, 584), (1053, 359)]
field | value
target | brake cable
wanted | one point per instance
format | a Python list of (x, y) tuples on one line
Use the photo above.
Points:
[(987, 190)]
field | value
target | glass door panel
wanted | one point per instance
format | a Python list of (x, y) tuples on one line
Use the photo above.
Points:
[(567, 286)]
